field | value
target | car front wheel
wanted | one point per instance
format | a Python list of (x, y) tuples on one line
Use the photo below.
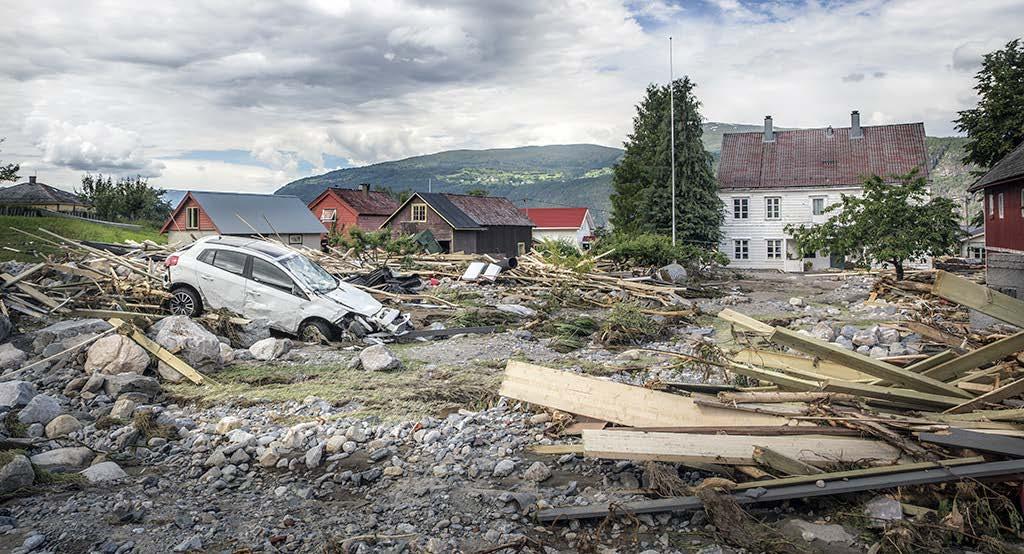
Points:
[(316, 331), (185, 301)]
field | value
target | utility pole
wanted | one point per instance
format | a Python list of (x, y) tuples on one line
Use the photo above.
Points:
[(672, 126), (429, 187)]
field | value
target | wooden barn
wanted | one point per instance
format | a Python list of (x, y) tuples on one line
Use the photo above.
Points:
[(340, 209)]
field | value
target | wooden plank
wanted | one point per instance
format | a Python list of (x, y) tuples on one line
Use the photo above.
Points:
[(772, 397), (556, 449), (930, 362), (615, 402), (172, 361), (977, 358), (998, 395), (23, 275), (746, 322), (803, 490), (933, 334), (33, 292), (778, 360), (747, 430), (1001, 370), (978, 297), (981, 415), (731, 449), (982, 442), (781, 379), (892, 394), (79, 271), (782, 463), (865, 364)]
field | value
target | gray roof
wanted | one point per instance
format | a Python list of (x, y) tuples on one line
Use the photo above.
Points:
[(266, 213), (1010, 167), (33, 192), (449, 211), (471, 213)]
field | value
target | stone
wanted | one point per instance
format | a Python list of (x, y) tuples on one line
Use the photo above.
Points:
[(865, 337), (883, 509), (829, 535), (94, 383), (123, 409), (227, 354), (888, 335), (393, 471), (16, 394), (504, 468), (672, 273), (102, 472), (270, 348), (516, 310), (168, 373), (122, 383), (252, 332), (379, 358), (66, 329), (41, 409), (189, 341), (844, 342), (537, 472), (116, 354), (228, 424), (64, 459), (269, 458), (62, 426), (898, 349), (16, 474), (192, 544), (334, 444), (794, 301), (848, 331), (34, 541), (11, 357), (314, 456), (5, 327), (878, 352), (823, 331)]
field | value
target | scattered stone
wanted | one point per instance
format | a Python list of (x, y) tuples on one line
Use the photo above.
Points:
[(672, 273), (122, 383), (314, 456), (823, 331), (883, 509), (540, 418), (62, 426), (878, 352), (16, 394), (71, 458), (537, 472), (41, 409), (504, 468), (16, 474), (517, 310), (794, 301), (123, 409), (270, 348), (888, 335), (379, 358), (11, 357), (116, 354), (228, 424), (252, 332), (865, 337), (102, 472), (844, 342), (189, 341)]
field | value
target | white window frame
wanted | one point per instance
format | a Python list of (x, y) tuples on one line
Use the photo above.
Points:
[(743, 203), (768, 249), (189, 223), (329, 214), (412, 213), (768, 207), (737, 244), (1001, 206), (991, 206), (1022, 201), (294, 239), (824, 205)]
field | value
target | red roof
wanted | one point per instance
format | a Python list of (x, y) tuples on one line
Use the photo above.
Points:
[(556, 218), (820, 157), (367, 202)]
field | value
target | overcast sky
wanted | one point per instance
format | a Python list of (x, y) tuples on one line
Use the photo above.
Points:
[(249, 95)]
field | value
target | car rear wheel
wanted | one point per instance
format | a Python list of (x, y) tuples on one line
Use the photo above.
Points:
[(316, 331), (185, 301)]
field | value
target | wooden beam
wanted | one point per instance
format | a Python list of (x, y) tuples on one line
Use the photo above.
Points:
[(31, 291), (930, 362), (781, 379), (1009, 390), (783, 463), (731, 449), (23, 275), (778, 360), (746, 322), (747, 430), (615, 402), (773, 397), (848, 474), (1002, 370), (556, 449), (903, 396), (164, 355), (981, 415), (982, 442), (977, 358), (933, 334), (978, 297)]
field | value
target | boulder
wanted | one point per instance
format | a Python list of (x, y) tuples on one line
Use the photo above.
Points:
[(121, 383), (62, 426), (844, 342), (72, 458), (270, 348), (11, 357), (823, 331), (69, 328), (189, 341), (228, 424), (15, 394), (821, 538), (672, 273), (537, 472), (878, 352), (103, 471), (227, 354), (16, 474), (379, 358), (123, 409), (865, 337), (887, 335), (168, 373), (253, 332), (116, 354), (94, 383)]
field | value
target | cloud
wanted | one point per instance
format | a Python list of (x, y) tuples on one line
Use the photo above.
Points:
[(968, 56), (93, 146), (853, 77)]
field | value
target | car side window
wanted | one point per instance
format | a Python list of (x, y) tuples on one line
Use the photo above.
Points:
[(266, 273), (231, 261), (206, 256)]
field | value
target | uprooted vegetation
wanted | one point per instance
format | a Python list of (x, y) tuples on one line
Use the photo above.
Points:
[(627, 324)]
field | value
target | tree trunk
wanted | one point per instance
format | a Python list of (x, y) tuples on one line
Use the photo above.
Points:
[(898, 264)]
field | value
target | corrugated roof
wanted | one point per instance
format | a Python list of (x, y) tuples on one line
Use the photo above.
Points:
[(367, 203), (820, 157), (1010, 167), (266, 213), (34, 192), (490, 210), (555, 218)]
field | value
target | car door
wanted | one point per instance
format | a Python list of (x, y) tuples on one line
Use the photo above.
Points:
[(221, 278), (272, 294)]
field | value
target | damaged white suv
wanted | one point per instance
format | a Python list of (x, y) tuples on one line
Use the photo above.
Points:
[(261, 279)]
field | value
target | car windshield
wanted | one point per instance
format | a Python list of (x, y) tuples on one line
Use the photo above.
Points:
[(310, 274)]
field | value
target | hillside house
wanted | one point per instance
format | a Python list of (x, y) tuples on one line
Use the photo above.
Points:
[(31, 196), (463, 223), (572, 225), (1003, 201), (771, 179), (283, 218), (972, 245), (340, 209)]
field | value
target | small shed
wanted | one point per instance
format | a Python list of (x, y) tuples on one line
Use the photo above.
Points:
[(32, 196), (340, 209), (465, 223), (283, 218)]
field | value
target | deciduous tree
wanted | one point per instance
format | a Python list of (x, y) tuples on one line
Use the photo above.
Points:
[(8, 172), (996, 126)]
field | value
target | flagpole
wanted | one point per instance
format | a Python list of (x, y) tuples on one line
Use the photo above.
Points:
[(672, 126)]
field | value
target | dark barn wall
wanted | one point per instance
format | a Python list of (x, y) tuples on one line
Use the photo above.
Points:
[(504, 240)]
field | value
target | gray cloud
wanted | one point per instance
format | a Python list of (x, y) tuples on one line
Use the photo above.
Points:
[(93, 147), (853, 77)]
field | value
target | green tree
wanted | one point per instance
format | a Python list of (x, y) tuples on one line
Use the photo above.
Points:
[(8, 172), (477, 192), (642, 198), (127, 199), (890, 223), (996, 126)]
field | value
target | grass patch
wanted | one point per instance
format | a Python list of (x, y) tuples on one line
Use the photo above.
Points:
[(627, 324), (145, 422), (16, 428), (31, 249), (572, 334)]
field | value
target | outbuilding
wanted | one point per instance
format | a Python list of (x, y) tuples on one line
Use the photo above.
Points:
[(282, 218), (341, 209), (572, 225), (1002, 190)]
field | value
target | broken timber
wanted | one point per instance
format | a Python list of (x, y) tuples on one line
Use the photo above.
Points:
[(978, 297), (778, 360), (783, 463), (998, 395), (976, 358), (984, 442), (901, 396), (164, 355)]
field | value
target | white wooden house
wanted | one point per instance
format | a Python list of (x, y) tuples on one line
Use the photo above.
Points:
[(768, 180)]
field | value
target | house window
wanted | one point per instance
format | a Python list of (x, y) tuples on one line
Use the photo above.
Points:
[(1000, 205), (294, 239), (191, 218), (817, 206), (329, 214), (740, 208), (1022, 202), (991, 206), (419, 212), (774, 249), (773, 207), (741, 249)]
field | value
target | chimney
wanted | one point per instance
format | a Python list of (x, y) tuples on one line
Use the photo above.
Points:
[(365, 187), (32, 179), (855, 131), (769, 133)]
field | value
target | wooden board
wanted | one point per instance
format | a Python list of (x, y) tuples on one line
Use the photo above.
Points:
[(616, 402), (731, 449), (780, 379), (902, 396), (1010, 390), (778, 360), (933, 334), (981, 298), (982, 442), (930, 362), (161, 353), (977, 358), (746, 322)]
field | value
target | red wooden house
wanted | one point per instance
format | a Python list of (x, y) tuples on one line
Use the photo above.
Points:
[(340, 209), (1003, 202)]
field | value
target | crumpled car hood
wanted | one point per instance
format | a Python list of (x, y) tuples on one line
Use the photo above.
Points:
[(355, 300)]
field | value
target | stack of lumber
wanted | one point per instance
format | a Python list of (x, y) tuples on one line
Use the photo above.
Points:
[(951, 416)]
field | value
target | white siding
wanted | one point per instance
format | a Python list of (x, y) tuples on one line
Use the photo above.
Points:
[(572, 236)]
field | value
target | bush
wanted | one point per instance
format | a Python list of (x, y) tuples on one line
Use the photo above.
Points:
[(628, 324), (368, 245), (657, 250), (562, 254)]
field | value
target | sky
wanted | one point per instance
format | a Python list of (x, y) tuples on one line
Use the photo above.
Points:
[(249, 95)]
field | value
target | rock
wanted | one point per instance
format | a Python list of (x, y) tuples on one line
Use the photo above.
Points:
[(379, 358), (878, 352), (16, 474), (516, 309), (5, 327), (122, 383), (794, 301), (848, 331), (504, 468), (41, 409), (865, 337), (103, 471), (192, 544), (94, 383), (189, 341), (62, 426), (844, 342), (314, 456), (334, 444), (15, 394), (883, 509), (123, 409), (537, 419), (888, 335), (228, 424), (69, 328), (898, 349), (822, 538), (672, 273), (64, 459), (269, 458), (253, 332), (33, 542), (537, 472), (227, 354), (824, 332), (11, 357), (116, 354), (270, 348), (168, 373)]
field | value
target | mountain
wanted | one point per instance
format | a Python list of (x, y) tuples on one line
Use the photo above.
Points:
[(562, 175)]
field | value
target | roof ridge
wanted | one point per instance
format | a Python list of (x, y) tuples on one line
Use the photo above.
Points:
[(797, 130)]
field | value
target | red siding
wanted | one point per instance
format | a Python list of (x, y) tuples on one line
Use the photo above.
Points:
[(178, 221), (345, 216), (1007, 232)]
